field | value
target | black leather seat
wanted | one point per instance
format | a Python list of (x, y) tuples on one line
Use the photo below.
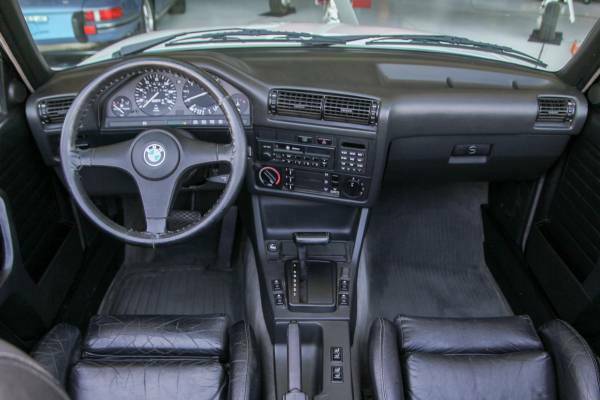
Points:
[(144, 357), (490, 358)]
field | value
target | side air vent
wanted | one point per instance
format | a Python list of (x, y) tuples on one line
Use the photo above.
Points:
[(556, 110), (52, 111), (323, 106)]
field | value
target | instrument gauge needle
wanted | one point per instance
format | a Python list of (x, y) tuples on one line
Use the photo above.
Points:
[(195, 97), (150, 99)]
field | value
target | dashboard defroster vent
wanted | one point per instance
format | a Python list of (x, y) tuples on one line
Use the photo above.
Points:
[(324, 106), (53, 110), (555, 110)]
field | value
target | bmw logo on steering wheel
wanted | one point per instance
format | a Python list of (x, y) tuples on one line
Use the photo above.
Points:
[(155, 154)]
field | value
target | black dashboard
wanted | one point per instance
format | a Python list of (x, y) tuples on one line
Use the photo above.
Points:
[(331, 124)]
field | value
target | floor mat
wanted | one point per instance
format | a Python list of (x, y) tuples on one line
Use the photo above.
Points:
[(174, 280), (170, 290), (425, 256)]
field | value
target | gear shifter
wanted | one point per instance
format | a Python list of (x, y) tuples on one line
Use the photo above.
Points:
[(311, 283), (303, 240)]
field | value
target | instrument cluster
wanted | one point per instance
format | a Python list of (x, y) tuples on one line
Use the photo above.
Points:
[(162, 98)]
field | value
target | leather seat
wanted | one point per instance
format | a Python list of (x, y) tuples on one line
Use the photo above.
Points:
[(149, 357), (489, 358)]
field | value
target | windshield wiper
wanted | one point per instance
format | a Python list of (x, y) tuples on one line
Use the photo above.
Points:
[(230, 35), (139, 47), (243, 35), (454, 42)]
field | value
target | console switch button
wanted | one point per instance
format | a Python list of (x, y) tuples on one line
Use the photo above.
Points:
[(344, 299), (279, 300), (344, 285), (337, 373), (337, 354)]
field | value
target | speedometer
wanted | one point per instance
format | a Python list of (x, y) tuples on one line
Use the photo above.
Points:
[(155, 94), (198, 101)]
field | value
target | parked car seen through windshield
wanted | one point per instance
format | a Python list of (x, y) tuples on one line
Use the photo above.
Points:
[(537, 34)]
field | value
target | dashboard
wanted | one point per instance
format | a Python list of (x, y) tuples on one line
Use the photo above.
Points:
[(159, 98), (333, 125)]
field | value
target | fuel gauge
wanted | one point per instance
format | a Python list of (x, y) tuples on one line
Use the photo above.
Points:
[(120, 106)]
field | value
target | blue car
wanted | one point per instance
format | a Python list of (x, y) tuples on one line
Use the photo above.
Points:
[(60, 26)]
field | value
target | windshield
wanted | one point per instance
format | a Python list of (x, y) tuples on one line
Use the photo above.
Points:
[(537, 34)]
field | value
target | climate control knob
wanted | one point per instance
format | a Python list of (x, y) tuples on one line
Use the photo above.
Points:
[(353, 187), (269, 176)]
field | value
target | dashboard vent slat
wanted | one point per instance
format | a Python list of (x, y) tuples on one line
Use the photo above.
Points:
[(301, 104), (556, 110), (324, 106), (353, 110), (53, 111)]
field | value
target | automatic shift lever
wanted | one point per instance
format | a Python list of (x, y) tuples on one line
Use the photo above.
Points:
[(303, 239)]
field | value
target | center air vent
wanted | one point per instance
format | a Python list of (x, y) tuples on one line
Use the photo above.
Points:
[(556, 110), (354, 110), (328, 107), (297, 104), (53, 111)]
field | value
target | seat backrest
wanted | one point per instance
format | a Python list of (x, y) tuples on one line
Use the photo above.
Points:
[(490, 358), (21, 378), (152, 357), (480, 358)]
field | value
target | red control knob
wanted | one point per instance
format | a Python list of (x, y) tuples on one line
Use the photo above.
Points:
[(269, 176)]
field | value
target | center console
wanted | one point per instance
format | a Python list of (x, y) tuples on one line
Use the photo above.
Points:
[(325, 166), (310, 192), (308, 255)]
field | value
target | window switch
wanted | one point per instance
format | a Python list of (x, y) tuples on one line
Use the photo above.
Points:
[(276, 284), (344, 299), (344, 285), (337, 373), (337, 354), (279, 300)]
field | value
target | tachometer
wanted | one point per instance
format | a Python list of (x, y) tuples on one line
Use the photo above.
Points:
[(120, 106), (198, 101), (155, 94)]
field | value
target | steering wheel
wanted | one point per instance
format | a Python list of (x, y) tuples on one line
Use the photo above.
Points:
[(156, 158)]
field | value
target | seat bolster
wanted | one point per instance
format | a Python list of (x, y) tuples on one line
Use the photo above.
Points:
[(58, 350), (384, 361), (576, 366), (244, 364), (24, 379), (157, 336), (518, 376), (467, 335)]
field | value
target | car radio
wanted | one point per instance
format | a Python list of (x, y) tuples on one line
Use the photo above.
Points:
[(298, 155), (330, 166)]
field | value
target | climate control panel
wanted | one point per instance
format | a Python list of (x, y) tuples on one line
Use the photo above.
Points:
[(328, 184)]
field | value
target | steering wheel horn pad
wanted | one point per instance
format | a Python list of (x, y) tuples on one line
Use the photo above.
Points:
[(156, 159), (155, 154)]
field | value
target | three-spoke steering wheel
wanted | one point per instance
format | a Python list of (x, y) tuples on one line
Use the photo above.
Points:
[(156, 158)]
